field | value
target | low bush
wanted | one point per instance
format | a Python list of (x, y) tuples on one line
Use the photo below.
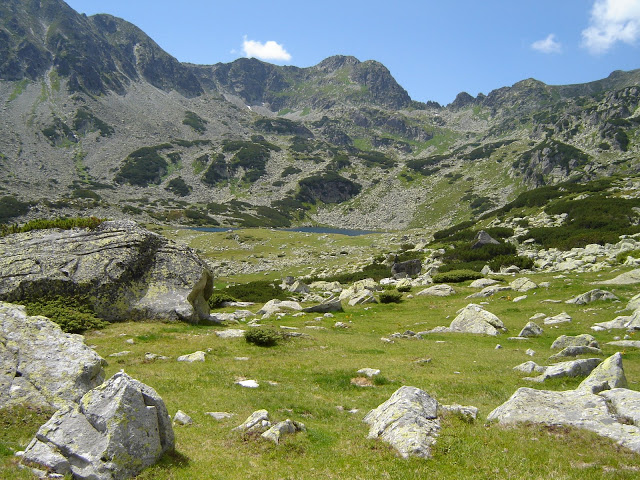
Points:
[(218, 298), (260, 291), (11, 207), (73, 314), (456, 276), (45, 223), (523, 263), (404, 288), (263, 337), (179, 187), (390, 297), (193, 120)]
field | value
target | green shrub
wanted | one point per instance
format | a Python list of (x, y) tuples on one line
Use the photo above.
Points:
[(523, 263), (11, 207), (259, 291), (263, 337), (178, 187), (390, 297), (194, 121), (328, 187), (404, 288), (61, 223), (456, 276), (73, 314), (218, 298), (85, 122), (144, 166), (85, 193)]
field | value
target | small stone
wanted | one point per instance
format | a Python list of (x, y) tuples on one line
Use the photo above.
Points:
[(530, 352), (120, 354), (192, 357), (340, 325), (368, 372), (130, 341), (248, 383), (219, 415), (181, 418)]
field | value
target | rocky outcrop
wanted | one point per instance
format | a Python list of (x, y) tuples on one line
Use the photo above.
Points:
[(410, 268), (125, 271), (41, 365), (408, 421), (609, 413), (531, 329), (483, 238), (116, 431), (592, 296), (475, 319)]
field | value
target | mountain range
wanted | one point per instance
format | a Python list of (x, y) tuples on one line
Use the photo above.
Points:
[(98, 120)]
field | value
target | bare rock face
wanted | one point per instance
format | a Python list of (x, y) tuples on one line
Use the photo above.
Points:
[(408, 421), (116, 431), (126, 271), (591, 406), (41, 365)]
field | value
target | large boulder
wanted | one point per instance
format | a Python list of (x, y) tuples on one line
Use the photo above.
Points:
[(410, 268), (583, 340), (41, 365), (127, 272), (626, 278), (408, 421), (475, 319), (483, 238), (609, 374), (522, 284), (592, 296), (117, 430)]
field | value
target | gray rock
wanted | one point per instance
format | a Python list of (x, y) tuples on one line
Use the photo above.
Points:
[(361, 298), (181, 418), (571, 408), (410, 268), (574, 351), (634, 303), (627, 278), (368, 372), (219, 415), (573, 368), (563, 317), (592, 296), (483, 238), (489, 291), (298, 287), (440, 290), (334, 287), (117, 430), (625, 343), (620, 322), (584, 340), (468, 413), (230, 333), (531, 329), (281, 428), (475, 319), (192, 357), (257, 421), (530, 367), (129, 272), (483, 283), (625, 403), (41, 365), (407, 421), (522, 284), (155, 356), (277, 306), (332, 304), (609, 374)]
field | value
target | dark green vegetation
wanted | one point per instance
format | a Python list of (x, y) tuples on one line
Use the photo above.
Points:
[(59, 133), (456, 276), (73, 314), (144, 166), (260, 291), (390, 297), (61, 223), (194, 121), (262, 336), (328, 187), (85, 122), (11, 207), (179, 187)]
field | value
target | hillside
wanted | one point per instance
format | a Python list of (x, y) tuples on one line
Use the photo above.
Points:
[(98, 119)]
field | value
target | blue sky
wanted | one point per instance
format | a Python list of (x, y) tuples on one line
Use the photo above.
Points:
[(434, 49)]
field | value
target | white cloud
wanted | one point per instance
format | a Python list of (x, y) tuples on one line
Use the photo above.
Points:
[(265, 51), (612, 21), (548, 45)]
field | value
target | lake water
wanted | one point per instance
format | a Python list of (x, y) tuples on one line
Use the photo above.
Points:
[(319, 230)]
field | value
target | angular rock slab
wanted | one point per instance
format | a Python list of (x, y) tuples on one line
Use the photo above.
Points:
[(117, 430), (531, 329), (592, 296), (127, 272), (571, 408), (407, 421), (41, 365), (607, 375), (475, 319)]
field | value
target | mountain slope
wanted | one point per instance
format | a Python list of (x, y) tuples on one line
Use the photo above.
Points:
[(97, 118)]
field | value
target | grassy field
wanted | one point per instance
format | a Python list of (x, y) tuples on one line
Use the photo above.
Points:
[(307, 379)]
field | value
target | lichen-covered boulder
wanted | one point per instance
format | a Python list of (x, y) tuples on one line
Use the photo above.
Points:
[(531, 329), (522, 284), (592, 296), (475, 319), (607, 375), (116, 431), (583, 340), (127, 272), (408, 421), (41, 365)]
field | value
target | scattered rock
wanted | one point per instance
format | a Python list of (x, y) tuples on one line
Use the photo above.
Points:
[(592, 296), (219, 415), (625, 343), (475, 319), (192, 357), (574, 351), (181, 418), (563, 317), (483, 283), (627, 278), (153, 356), (230, 333), (275, 306), (440, 290), (522, 284), (257, 421), (609, 374), (332, 304), (368, 372), (584, 340), (530, 367), (407, 421), (530, 352), (468, 413), (41, 365), (124, 353), (482, 238), (248, 383), (131, 273), (365, 296), (573, 368), (341, 325), (531, 329), (281, 428), (117, 430)]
